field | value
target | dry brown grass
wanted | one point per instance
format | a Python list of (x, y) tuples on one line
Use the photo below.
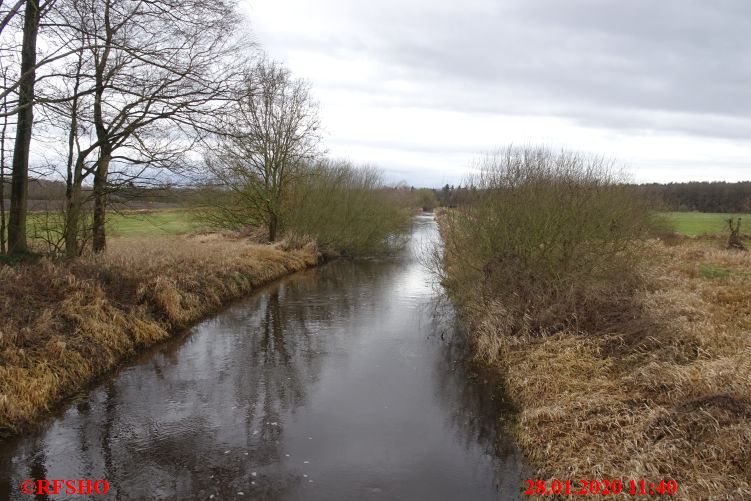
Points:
[(66, 323), (665, 394)]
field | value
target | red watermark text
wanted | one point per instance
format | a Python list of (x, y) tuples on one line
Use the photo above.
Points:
[(67, 487), (614, 487)]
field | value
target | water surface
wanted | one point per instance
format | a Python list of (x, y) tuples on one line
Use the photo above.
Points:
[(338, 383)]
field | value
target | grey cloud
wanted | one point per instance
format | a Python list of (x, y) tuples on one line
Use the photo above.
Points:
[(671, 65)]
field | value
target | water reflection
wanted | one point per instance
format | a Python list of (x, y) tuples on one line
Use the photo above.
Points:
[(478, 411), (331, 384)]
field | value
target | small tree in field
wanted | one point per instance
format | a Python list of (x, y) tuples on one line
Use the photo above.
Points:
[(273, 129), (734, 240)]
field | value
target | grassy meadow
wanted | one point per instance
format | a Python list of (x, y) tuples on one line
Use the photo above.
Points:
[(128, 223), (177, 221), (152, 223), (696, 224)]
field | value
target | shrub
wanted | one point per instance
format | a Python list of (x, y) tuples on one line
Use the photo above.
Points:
[(549, 241), (426, 199), (345, 209)]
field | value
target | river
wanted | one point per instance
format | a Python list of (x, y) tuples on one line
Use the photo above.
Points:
[(339, 383)]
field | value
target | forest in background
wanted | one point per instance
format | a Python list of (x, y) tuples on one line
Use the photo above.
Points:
[(717, 196), (699, 196)]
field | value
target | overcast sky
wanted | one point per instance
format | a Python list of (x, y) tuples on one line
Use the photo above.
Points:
[(419, 87)]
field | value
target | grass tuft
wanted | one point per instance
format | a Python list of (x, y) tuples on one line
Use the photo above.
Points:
[(708, 271)]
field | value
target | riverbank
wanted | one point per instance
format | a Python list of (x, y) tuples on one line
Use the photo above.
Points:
[(64, 323), (666, 394)]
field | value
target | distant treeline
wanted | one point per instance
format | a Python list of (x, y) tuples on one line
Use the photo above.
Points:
[(40, 189), (692, 196), (50, 195), (453, 196), (701, 196)]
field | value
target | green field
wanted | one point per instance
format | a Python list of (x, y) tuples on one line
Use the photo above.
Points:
[(175, 221), (130, 223), (178, 221), (146, 223), (703, 223)]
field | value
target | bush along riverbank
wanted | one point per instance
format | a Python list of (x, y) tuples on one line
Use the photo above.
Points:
[(627, 358), (65, 323)]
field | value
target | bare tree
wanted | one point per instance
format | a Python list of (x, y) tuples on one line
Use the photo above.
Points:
[(273, 129), (142, 82), (149, 80), (63, 114)]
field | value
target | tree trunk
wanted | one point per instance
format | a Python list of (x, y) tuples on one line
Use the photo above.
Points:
[(72, 214), (74, 177), (2, 177), (100, 199), (2, 193), (273, 226), (99, 239), (20, 178)]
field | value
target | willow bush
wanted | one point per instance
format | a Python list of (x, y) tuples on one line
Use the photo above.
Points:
[(550, 241), (346, 209)]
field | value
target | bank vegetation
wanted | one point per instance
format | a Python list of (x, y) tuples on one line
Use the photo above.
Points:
[(78, 320), (626, 357), (347, 210)]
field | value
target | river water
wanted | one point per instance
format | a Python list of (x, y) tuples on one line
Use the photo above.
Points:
[(339, 383)]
